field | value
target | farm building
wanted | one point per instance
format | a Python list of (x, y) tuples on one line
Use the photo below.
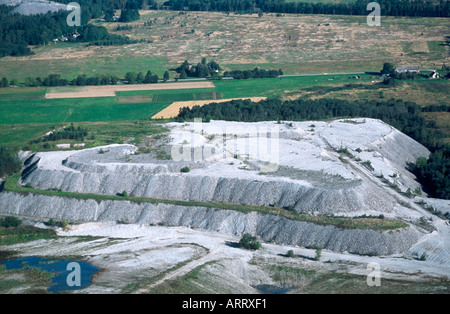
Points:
[(434, 75), (407, 69)]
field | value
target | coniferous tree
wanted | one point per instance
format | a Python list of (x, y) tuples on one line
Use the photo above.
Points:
[(166, 76), (388, 68)]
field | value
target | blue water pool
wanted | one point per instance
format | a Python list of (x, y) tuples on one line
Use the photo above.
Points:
[(69, 275), (271, 289)]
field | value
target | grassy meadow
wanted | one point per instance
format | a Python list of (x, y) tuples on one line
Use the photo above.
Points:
[(295, 43)]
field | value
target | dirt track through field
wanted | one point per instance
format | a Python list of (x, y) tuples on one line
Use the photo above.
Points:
[(173, 110), (110, 90), (182, 270)]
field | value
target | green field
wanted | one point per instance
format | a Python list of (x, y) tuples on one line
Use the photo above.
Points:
[(273, 87), (83, 60), (74, 110), (170, 96), (19, 106)]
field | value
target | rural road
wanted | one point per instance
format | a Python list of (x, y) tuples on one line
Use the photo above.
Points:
[(183, 270), (294, 75), (318, 74), (290, 75)]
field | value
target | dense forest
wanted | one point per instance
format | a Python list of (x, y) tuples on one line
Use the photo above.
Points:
[(98, 35), (433, 173), (388, 7), (96, 9), (17, 32)]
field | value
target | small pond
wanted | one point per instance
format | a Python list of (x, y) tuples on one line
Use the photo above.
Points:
[(271, 289), (69, 275)]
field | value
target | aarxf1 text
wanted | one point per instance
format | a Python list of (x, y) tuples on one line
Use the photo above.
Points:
[(246, 304)]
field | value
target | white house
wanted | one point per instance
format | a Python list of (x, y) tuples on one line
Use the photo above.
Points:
[(407, 69)]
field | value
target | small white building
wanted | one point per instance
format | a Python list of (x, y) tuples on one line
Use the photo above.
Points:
[(410, 69), (434, 75), (63, 146)]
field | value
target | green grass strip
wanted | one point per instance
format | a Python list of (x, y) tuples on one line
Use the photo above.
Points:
[(21, 234), (372, 223)]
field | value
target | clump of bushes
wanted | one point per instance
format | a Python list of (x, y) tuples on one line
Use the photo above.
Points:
[(57, 223), (289, 208), (68, 133), (249, 242), (9, 162), (185, 169), (368, 165), (318, 254), (124, 193), (10, 221)]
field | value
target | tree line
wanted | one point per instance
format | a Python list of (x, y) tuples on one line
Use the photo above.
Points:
[(69, 133), (84, 80), (212, 70), (99, 36), (56, 80), (434, 172), (405, 116), (388, 7), (255, 73), (203, 69), (436, 108)]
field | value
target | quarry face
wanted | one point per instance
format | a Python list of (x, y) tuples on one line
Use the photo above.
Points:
[(328, 169)]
